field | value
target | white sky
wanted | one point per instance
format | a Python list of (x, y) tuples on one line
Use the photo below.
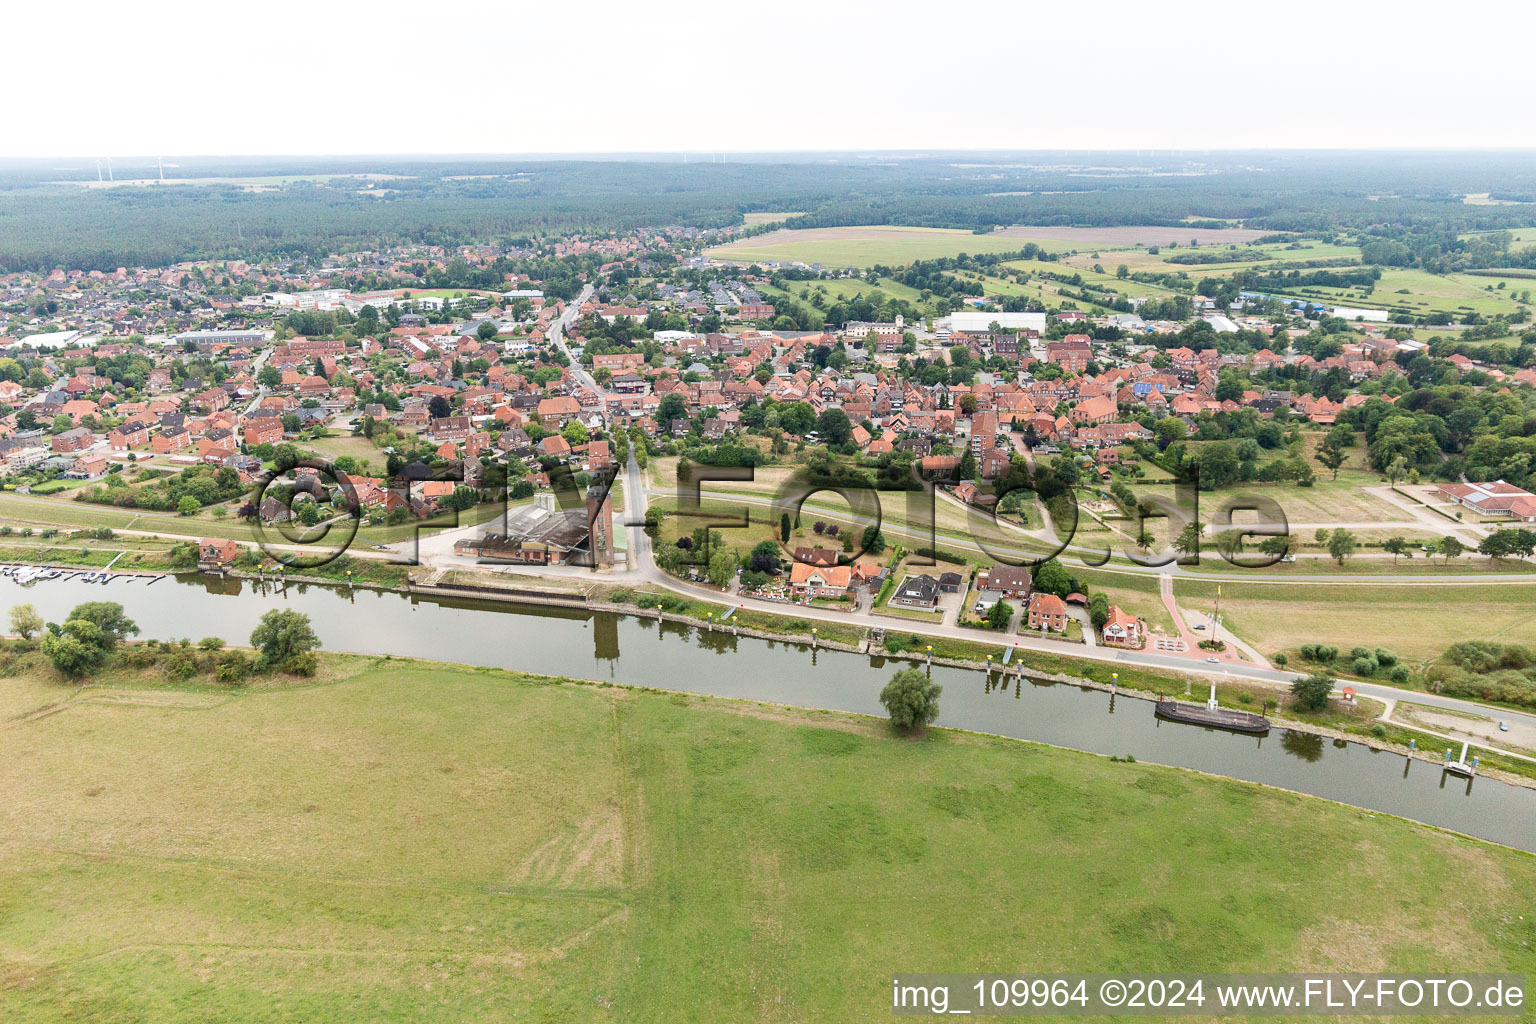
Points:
[(321, 77)]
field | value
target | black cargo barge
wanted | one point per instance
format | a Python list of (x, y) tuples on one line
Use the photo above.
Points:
[(1218, 718)]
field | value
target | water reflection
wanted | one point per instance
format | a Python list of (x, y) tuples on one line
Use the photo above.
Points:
[(1305, 745), (643, 651), (605, 638)]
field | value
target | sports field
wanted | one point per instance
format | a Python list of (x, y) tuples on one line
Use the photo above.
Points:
[(429, 843)]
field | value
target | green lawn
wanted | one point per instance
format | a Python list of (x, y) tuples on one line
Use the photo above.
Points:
[(429, 843)]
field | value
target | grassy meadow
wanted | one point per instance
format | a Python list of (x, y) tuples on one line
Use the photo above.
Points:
[(1418, 622), (406, 841)]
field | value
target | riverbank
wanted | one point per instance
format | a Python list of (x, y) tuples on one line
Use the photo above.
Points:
[(1354, 723), (405, 839)]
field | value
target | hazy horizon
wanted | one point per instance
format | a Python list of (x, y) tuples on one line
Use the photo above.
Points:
[(980, 75)]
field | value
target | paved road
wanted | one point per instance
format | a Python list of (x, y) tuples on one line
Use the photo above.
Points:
[(642, 567), (917, 537), (635, 503), (557, 331), (256, 365)]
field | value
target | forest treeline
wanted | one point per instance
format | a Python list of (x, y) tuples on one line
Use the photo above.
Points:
[(1407, 208)]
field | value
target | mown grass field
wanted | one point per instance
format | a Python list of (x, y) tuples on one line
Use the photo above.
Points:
[(1418, 622), (1344, 500), (429, 843)]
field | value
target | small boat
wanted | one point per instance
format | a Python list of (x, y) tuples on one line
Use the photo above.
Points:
[(1212, 715)]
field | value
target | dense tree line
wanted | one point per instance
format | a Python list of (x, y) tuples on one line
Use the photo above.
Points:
[(1407, 209)]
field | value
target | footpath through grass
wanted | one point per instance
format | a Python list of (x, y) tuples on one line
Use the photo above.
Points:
[(433, 843)]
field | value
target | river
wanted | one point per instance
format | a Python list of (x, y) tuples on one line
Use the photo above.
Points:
[(642, 651)]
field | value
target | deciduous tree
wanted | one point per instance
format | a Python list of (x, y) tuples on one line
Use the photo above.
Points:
[(1341, 544), (911, 699), (283, 635), (1311, 692), (25, 621)]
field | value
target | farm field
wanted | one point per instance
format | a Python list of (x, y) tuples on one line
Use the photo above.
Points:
[(766, 217), (1419, 292), (414, 841), (1125, 236), (861, 246), (1140, 259), (1520, 237), (1128, 288), (896, 246)]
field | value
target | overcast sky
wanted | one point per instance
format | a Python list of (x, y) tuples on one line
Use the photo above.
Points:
[(320, 77)]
